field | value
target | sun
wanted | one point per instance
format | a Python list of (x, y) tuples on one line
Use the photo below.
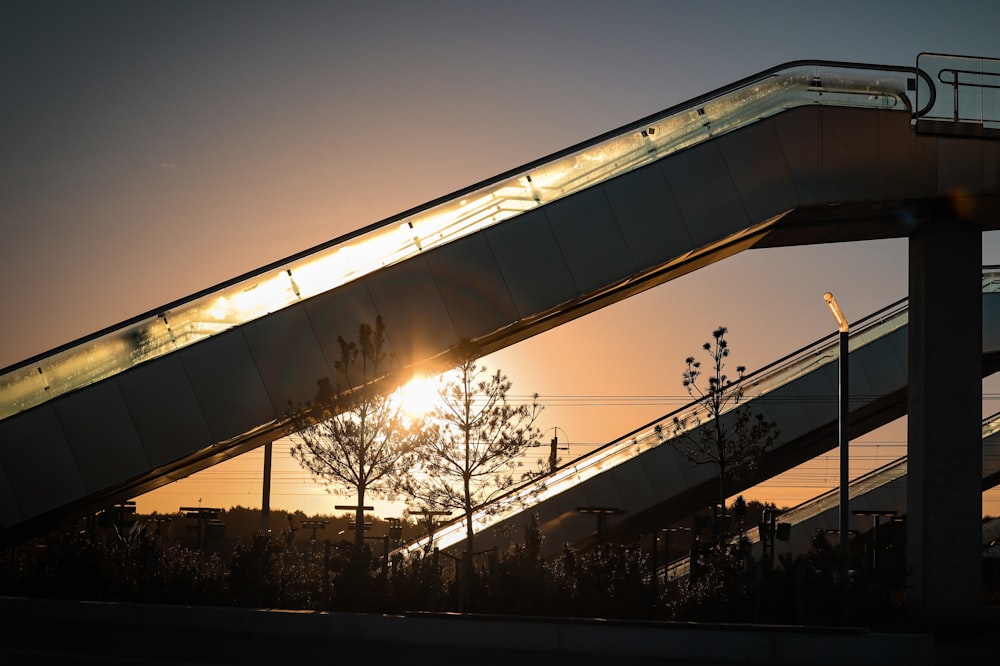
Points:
[(419, 396)]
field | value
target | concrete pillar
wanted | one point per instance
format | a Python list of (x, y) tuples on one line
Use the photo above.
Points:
[(944, 507)]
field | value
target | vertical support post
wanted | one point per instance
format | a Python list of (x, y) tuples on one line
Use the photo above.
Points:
[(654, 565), (944, 415), (265, 501), (843, 419), (602, 513), (326, 570), (875, 545), (554, 448), (845, 459), (694, 568)]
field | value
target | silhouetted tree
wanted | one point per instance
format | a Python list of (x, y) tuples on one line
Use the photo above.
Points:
[(479, 439), (357, 437), (481, 435), (724, 433)]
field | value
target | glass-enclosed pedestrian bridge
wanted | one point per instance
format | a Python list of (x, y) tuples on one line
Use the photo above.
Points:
[(404, 236), (646, 479), (808, 152)]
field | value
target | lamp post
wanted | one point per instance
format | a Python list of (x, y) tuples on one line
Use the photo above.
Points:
[(876, 514), (666, 548), (602, 513), (314, 525), (359, 517), (206, 517), (428, 523), (842, 419)]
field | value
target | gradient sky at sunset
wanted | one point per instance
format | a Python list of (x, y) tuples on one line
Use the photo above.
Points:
[(152, 149)]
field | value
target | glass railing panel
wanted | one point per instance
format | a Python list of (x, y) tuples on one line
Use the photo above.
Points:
[(406, 235), (991, 102), (878, 478), (831, 499), (991, 426), (967, 87), (966, 90), (101, 358), (21, 389), (991, 279), (946, 100)]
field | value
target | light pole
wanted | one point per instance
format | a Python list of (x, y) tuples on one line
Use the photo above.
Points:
[(429, 524), (359, 517), (666, 549), (555, 448), (314, 525), (876, 514), (265, 502), (842, 419), (602, 513)]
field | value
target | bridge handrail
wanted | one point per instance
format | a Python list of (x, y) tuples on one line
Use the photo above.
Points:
[(961, 90)]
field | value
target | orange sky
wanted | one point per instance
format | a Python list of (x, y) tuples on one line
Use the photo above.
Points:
[(156, 149)]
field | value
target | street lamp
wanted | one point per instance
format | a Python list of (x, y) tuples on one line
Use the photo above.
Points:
[(428, 523), (876, 514), (602, 513), (666, 548), (314, 525), (842, 419)]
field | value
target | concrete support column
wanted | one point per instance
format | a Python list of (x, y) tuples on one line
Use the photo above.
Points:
[(944, 504)]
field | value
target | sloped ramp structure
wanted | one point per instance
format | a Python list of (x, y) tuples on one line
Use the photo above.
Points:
[(809, 152), (881, 491), (645, 481)]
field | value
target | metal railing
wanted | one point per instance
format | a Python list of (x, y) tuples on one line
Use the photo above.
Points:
[(960, 89)]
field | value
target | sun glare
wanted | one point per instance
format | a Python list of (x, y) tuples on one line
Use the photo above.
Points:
[(419, 396)]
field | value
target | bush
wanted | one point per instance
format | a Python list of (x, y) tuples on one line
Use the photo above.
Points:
[(610, 581)]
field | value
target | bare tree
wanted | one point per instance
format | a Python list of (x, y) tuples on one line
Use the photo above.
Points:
[(355, 437), (481, 435), (728, 436)]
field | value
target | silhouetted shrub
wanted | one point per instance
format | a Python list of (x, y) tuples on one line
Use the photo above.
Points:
[(144, 564)]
